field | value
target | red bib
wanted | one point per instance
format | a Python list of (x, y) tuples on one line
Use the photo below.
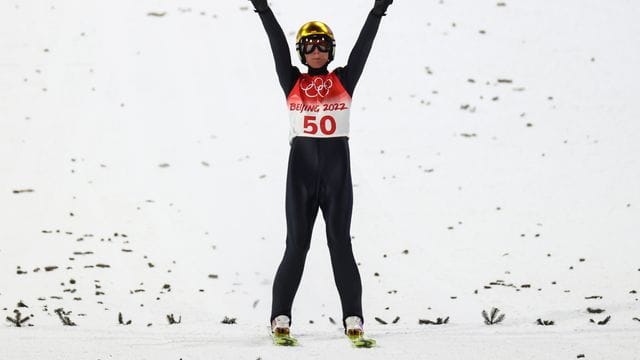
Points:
[(318, 107)]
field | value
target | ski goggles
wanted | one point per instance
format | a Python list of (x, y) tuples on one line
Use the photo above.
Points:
[(310, 44)]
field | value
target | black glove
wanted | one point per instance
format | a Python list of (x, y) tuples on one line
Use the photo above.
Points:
[(380, 7), (260, 5)]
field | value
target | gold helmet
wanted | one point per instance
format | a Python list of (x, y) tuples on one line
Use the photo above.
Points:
[(315, 29)]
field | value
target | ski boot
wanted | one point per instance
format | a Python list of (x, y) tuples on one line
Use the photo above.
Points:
[(280, 331), (355, 333)]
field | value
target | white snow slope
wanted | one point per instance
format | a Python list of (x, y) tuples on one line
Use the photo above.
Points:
[(494, 158)]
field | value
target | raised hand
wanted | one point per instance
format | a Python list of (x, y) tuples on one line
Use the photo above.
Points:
[(261, 5), (380, 7)]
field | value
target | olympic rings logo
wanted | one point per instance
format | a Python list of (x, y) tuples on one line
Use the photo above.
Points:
[(317, 87)]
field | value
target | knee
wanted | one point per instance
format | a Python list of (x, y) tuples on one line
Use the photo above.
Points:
[(339, 243), (298, 245)]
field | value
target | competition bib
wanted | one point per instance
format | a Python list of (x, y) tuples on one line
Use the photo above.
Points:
[(318, 107)]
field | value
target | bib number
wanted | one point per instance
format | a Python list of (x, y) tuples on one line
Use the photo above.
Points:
[(327, 125)]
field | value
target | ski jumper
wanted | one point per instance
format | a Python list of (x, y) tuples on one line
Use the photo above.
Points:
[(319, 172)]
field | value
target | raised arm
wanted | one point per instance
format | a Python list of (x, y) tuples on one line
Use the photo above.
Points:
[(350, 74), (287, 73)]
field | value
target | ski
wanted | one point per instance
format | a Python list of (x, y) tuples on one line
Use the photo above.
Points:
[(360, 341), (284, 340)]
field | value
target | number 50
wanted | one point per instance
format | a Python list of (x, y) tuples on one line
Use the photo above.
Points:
[(327, 125)]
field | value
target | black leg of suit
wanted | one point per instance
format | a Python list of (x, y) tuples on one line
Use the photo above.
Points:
[(318, 177)]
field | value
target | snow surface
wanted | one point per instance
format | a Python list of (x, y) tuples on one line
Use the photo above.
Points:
[(491, 143)]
